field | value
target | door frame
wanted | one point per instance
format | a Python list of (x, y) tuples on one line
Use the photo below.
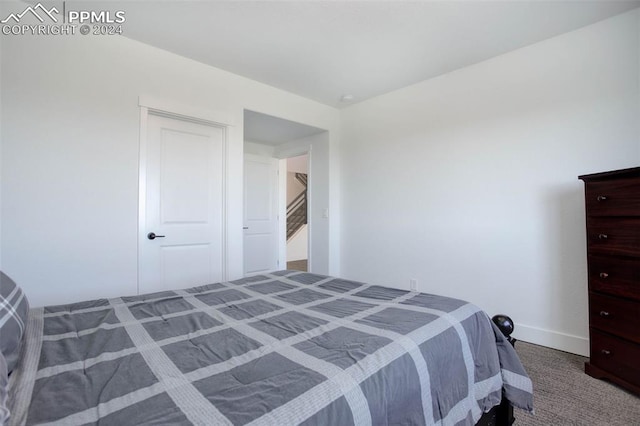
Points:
[(149, 105)]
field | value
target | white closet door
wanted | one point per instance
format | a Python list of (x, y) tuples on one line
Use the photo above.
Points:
[(182, 244)]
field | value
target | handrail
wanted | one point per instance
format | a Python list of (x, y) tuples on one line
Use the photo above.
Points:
[(297, 209), (302, 178), (301, 198)]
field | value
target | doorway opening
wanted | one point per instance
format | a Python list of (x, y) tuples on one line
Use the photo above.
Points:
[(297, 213), (294, 237)]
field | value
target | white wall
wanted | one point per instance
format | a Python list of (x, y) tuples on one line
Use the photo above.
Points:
[(298, 164), (298, 245), (468, 182), (70, 155), (258, 149)]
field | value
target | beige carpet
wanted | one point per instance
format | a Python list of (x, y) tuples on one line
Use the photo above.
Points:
[(565, 395)]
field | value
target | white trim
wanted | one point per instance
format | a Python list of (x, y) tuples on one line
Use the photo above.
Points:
[(282, 213), (310, 204), (552, 339), (142, 188), (183, 113), (187, 111), (225, 204), (303, 149)]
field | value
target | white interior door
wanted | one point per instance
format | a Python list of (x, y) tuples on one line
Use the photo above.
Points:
[(261, 250), (183, 205)]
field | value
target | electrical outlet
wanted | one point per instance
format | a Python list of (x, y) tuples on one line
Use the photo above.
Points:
[(413, 284)]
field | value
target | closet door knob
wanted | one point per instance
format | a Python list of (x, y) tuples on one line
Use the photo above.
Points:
[(605, 352), (601, 198), (603, 236), (153, 236), (603, 275), (604, 314)]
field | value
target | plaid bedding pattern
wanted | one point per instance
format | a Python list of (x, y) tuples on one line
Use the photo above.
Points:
[(14, 309), (275, 349)]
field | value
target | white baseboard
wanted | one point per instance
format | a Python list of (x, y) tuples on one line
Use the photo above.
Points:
[(552, 339)]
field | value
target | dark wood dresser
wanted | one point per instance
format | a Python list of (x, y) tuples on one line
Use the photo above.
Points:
[(613, 250)]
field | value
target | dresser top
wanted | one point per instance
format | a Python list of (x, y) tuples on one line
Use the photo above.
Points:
[(614, 174)]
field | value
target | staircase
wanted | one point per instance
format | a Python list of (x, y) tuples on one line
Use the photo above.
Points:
[(297, 209)]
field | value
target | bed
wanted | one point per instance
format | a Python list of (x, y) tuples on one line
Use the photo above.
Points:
[(274, 349)]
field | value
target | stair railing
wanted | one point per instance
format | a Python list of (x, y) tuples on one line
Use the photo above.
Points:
[(297, 209)]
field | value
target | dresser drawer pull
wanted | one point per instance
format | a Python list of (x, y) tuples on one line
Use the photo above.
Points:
[(604, 314), (605, 352), (601, 198), (603, 236), (604, 275)]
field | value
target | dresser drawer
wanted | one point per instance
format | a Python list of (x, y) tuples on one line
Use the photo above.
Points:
[(620, 197), (615, 316), (616, 356), (615, 276), (615, 236)]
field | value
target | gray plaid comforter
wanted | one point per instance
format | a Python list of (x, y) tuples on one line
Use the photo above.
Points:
[(276, 349)]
